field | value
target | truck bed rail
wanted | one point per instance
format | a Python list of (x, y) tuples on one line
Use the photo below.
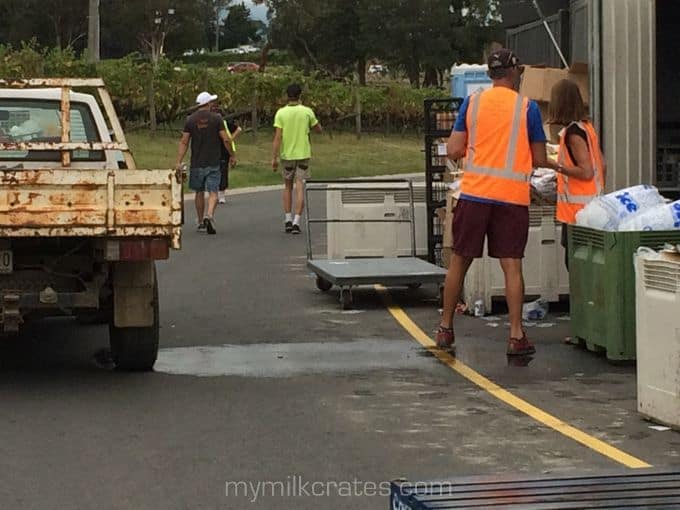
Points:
[(70, 202)]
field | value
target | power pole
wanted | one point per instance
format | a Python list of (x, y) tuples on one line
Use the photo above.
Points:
[(218, 16), (93, 32)]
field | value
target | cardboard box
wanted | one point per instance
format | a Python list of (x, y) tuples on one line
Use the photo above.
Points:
[(452, 198), (446, 257), (538, 81), (453, 172), (451, 201), (441, 214)]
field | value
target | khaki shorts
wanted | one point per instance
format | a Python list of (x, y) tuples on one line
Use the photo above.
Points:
[(296, 169)]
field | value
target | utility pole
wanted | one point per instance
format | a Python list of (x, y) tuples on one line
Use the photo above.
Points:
[(93, 32), (220, 7), (218, 15)]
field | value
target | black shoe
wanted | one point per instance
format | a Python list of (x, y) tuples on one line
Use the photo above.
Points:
[(296, 229), (210, 226), (289, 227)]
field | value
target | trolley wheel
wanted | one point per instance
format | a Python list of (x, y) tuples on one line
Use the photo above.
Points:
[(346, 298), (323, 285), (414, 286)]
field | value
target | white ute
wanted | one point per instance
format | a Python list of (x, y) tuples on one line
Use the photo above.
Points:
[(80, 226)]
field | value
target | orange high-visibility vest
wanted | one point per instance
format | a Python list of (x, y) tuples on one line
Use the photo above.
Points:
[(498, 160), (574, 194)]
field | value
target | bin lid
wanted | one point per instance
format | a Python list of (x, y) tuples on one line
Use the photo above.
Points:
[(459, 69)]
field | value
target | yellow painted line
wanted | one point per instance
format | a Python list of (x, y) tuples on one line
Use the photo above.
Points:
[(504, 395)]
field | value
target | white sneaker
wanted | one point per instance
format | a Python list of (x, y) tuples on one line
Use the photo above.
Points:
[(221, 198)]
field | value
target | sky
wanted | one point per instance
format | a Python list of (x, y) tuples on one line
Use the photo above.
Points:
[(256, 11)]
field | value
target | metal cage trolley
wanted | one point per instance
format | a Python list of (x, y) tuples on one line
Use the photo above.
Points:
[(388, 271)]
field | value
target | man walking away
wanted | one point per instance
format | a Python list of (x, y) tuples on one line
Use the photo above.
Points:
[(501, 135), (293, 123), (233, 132), (205, 130)]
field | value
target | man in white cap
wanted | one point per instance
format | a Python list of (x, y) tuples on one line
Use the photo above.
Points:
[(205, 130)]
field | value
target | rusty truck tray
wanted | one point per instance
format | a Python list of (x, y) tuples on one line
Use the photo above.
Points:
[(66, 202)]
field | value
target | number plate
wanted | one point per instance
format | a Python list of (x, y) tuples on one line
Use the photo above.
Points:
[(6, 262)]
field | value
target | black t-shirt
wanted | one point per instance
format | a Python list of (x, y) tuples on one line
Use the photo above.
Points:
[(575, 130), (204, 128)]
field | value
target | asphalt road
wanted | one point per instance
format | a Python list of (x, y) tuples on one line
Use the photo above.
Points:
[(265, 386)]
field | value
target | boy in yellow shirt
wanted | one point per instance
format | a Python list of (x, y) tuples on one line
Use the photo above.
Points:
[(292, 145)]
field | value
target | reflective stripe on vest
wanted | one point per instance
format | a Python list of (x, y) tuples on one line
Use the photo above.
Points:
[(565, 196), (507, 172), (233, 144), (576, 199)]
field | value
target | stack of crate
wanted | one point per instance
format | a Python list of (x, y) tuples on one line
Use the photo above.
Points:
[(440, 115)]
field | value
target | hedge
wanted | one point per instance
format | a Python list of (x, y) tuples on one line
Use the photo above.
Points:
[(176, 85)]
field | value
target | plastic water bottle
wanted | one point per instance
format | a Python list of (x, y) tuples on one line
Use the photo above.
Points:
[(479, 308), (662, 217)]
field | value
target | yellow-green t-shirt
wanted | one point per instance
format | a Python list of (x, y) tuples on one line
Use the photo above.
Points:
[(295, 121)]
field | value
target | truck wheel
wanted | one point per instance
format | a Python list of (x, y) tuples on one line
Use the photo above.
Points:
[(136, 349)]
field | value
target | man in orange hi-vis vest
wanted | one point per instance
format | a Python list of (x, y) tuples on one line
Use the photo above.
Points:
[(500, 134)]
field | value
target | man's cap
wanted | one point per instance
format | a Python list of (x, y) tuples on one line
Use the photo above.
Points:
[(204, 98), (501, 59)]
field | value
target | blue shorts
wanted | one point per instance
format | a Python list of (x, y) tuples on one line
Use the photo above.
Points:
[(205, 179)]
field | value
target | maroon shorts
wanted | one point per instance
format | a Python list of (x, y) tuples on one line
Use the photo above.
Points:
[(505, 226)]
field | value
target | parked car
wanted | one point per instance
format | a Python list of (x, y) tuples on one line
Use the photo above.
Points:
[(377, 69), (243, 67)]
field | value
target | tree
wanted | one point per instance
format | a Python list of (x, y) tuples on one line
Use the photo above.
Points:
[(413, 35), (159, 21), (56, 23), (238, 28), (129, 27), (218, 7), (325, 34)]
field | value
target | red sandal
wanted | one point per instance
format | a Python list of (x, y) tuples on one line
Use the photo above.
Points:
[(520, 346), (445, 338)]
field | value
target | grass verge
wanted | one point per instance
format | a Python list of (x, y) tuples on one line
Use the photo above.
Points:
[(336, 157)]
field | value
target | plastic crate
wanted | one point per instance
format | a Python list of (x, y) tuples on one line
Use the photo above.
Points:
[(637, 489), (544, 272), (351, 240), (440, 115), (602, 285), (668, 166), (657, 299)]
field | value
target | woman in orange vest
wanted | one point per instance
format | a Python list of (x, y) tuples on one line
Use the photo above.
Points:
[(581, 169)]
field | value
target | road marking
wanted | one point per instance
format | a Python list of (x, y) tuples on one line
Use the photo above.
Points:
[(504, 395)]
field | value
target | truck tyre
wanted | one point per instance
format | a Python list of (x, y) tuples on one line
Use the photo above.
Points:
[(136, 349)]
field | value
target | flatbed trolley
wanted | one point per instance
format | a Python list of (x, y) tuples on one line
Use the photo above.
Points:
[(390, 271)]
